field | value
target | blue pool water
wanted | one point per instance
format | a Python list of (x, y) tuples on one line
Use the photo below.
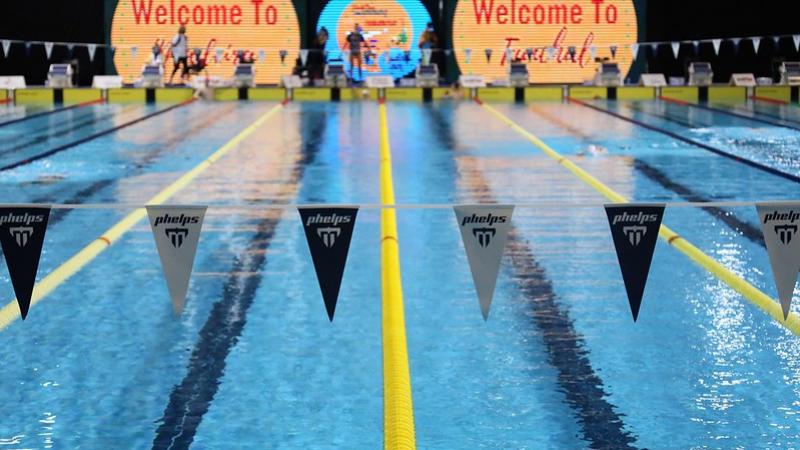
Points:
[(253, 362)]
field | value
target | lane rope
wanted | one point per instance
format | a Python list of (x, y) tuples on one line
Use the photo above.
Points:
[(398, 408), (747, 290), (10, 312), (46, 113)]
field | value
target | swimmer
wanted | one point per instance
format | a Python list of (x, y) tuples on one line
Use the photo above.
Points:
[(596, 150)]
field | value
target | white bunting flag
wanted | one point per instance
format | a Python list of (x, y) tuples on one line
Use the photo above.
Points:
[(447, 52), (218, 55), (676, 47), (796, 40), (509, 56), (551, 53), (716, 43), (71, 48), (467, 55), (756, 43), (780, 223), (48, 49), (654, 47), (593, 52), (262, 55), (22, 231), (176, 230), (426, 56), (91, 48), (303, 56), (134, 51), (635, 50), (695, 46), (6, 47), (484, 232), (776, 40)]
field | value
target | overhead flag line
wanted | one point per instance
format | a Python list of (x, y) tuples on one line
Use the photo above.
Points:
[(398, 409), (65, 271), (747, 290)]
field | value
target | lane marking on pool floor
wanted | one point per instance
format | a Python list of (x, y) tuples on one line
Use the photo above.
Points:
[(728, 113), (90, 137), (747, 290), (52, 111), (10, 312), (676, 136), (398, 408)]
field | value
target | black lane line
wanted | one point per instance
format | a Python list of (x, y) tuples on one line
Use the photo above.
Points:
[(50, 134), (602, 426), (738, 115), (57, 215), (88, 138), (730, 219), (45, 113), (678, 137), (192, 397)]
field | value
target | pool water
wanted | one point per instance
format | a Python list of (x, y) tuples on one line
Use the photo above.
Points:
[(253, 362)]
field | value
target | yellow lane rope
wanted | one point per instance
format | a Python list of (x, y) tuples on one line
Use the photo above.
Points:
[(748, 291), (10, 312), (398, 410)]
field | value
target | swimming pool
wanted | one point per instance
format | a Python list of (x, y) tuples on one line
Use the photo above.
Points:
[(253, 362)]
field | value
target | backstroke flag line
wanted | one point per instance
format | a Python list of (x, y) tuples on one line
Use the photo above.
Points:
[(328, 232), (779, 223), (634, 228), (22, 232), (176, 230), (484, 231)]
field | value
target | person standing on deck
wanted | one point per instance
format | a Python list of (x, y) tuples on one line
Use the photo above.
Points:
[(180, 46)]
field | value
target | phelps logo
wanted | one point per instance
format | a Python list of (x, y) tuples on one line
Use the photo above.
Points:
[(328, 233), (22, 232), (780, 223), (176, 230), (484, 232), (634, 229)]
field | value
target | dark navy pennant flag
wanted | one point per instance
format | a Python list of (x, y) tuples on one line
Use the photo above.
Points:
[(488, 53), (328, 232), (22, 230), (634, 228)]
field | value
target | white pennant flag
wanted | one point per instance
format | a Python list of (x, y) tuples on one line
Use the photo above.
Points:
[(303, 56), (635, 50), (776, 40), (484, 231), (593, 52), (92, 48), (426, 56), (551, 52), (716, 43), (134, 51), (676, 47), (218, 55), (509, 55), (467, 55), (6, 46), (756, 43), (262, 55), (176, 230), (780, 223), (48, 49), (796, 39)]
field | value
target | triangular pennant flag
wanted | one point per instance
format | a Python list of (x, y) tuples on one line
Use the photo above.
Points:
[(484, 231), (48, 49), (780, 223), (218, 55), (551, 52), (509, 55), (676, 47), (593, 52), (328, 232), (529, 53), (634, 228), (571, 52), (303, 56), (91, 48), (635, 50), (796, 40), (776, 40), (176, 230), (716, 43), (27, 49), (447, 52), (756, 43), (654, 48), (426, 56), (488, 53), (113, 50), (613, 50), (6, 46), (71, 48), (345, 55), (467, 55), (262, 55), (134, 51), (283, 54), (22, 230), (736, 42)]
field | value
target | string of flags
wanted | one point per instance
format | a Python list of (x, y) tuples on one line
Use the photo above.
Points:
[(484, 229)]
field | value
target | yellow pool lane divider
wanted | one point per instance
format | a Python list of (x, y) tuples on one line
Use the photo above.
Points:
[(398, 409), (747, 290), (62, 273)]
